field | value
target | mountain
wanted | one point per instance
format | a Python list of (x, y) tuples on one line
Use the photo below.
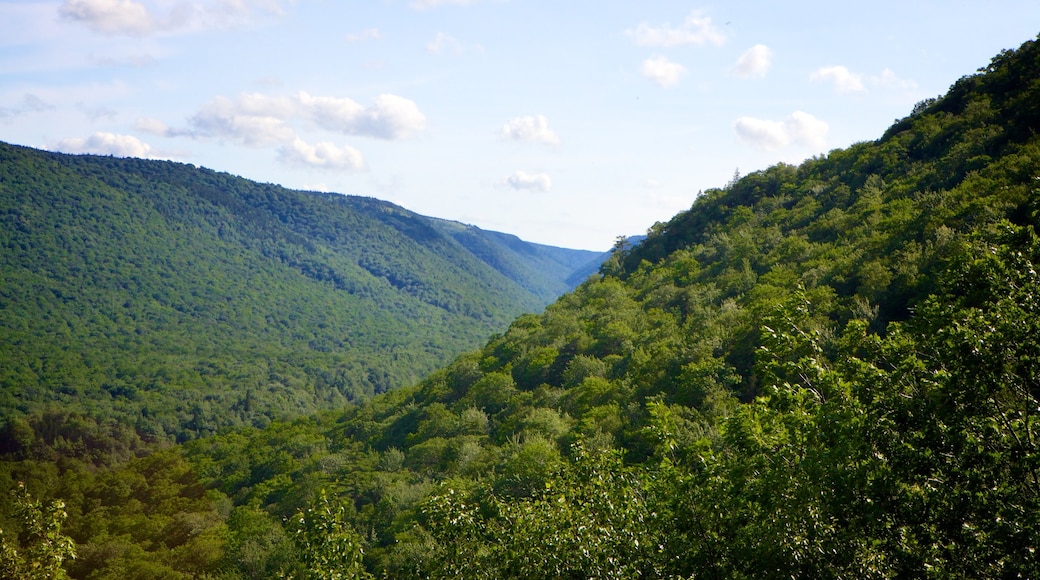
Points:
[(545, 271), (187, 300), (827, 370), (592, 267)]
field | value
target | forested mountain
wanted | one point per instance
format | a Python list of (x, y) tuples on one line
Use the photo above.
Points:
[(186, 300), (829, 370), (623, 244)]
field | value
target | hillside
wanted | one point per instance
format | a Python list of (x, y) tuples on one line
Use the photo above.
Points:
[(820, 371), (182, 300)]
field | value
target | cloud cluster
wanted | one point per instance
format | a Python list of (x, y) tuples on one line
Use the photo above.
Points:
[(799, 128), (846, 81), (102, 143), (257, 119), (532, 128), (696, 30), (261, 120), (325, 154), (521, 180), (154, 126), (662, 71), (755, 62), (389, 117), (110, 17), (254, 119), (138, 18), (888, 80)]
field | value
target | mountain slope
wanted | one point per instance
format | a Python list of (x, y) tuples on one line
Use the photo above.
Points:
[(821, 371), (141, 287), (545, 271)]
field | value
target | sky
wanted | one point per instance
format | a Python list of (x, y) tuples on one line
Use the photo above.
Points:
[(565, 122)]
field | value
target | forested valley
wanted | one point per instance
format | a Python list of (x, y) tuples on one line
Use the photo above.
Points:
[(178, 301), (828, 370)]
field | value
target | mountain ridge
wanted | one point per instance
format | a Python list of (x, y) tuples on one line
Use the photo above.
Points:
[(823, 370), (134, 252)]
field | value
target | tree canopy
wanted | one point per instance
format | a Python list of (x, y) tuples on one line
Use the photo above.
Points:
[(180, 301), (819, 371)]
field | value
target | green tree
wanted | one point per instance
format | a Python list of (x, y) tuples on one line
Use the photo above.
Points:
[(327, 546), (592, 521), (41, 548)]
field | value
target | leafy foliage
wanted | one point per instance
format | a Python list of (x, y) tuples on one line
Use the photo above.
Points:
[(822, 371), (328, 547), (180, 301), (42, 548), (590, 521)]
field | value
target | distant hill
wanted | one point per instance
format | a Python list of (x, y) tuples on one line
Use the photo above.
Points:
[(593, 266), (545, 271), (185, 300)]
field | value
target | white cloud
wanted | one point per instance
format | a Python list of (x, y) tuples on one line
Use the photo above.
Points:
[(807, 130), (888, 80), (799, 128), (153, 126), (762, 134), (337, 113), (529, 181), (135, 18), (662, 71), (324, 155), (390, 116), (112, 17), (252, 119), (366, 34), (257, 119), (842, 78), (106, 144), (444, 44), (846, 81), (260, 104), (755, 62), (696, 29), (532, 128)]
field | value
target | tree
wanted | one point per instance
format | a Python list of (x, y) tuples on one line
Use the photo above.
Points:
[(614, 265), (41, 548), (327, 546), (591, 521)]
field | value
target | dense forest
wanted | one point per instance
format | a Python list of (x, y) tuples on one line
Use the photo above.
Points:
[(828, 370), (180, 301)]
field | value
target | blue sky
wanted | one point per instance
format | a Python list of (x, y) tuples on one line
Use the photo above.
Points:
[(566, 122)]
